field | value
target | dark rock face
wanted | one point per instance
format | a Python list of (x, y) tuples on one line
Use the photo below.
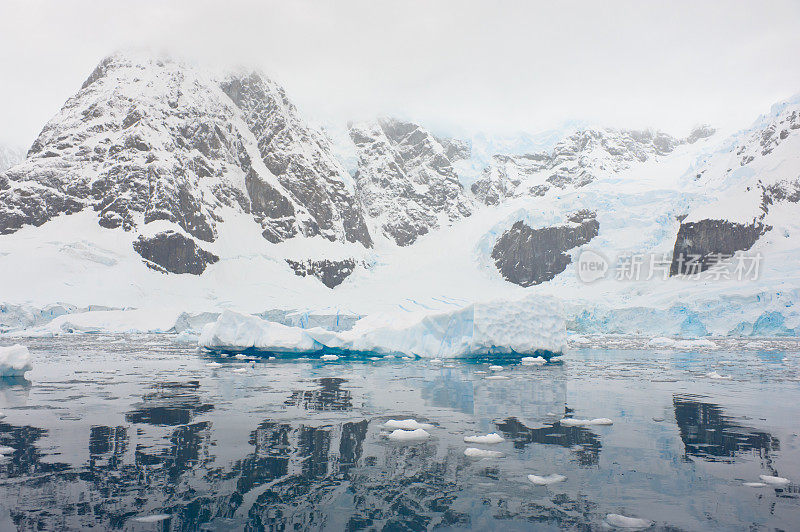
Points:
[(174, 253), (527, 256), (157, 138), (405, 178), (700, 245), (330, 272)]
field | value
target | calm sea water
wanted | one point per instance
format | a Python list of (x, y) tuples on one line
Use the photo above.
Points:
[(138, 433)]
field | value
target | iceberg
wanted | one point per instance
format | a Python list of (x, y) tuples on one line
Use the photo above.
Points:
[(15, 360), (529, 326)]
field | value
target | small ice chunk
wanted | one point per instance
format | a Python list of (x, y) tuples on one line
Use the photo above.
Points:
[(496, 368), (435, 361), (406, 424), (474, 452), (152, 518), (658, 419), (497, 377), (213, 365), (2, 415), (271, 358), (15, 360), (374, 358), (408, 435), (240, 356), (6, 450), (622, 521), (754, 484), (489, 438), (775, 481), (573, 422), (715, 375), (547, 479), (533, 360), (240, 370), (408, 358), (329, 357)]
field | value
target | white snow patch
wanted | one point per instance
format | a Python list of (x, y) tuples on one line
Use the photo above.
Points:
[(488, 438), (622, 521), (152, 518), (547, 479), (775, 481), (15, 360), (408, 435), (573, 422), (474, 452), (406, 424)]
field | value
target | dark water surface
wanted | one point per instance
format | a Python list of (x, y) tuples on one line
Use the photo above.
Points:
[(111, 429)]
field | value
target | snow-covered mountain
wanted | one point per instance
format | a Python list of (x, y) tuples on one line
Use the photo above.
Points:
[(9, 156), (156, 166), (405, 179), (153, 139), (575, 161)]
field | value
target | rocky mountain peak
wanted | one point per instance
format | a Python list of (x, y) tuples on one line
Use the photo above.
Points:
[(405, 178)]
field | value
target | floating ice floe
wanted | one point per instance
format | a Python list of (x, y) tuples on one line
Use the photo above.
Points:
[(573, 422), (489, 438), (240, 370), (406, 424), (186, 337), (547, 479), (6, 450), (152, 518), (530, 326), (632, 523), (408, 435), (670, 343), (775, 481), (213, 365), (329, 358), (754, 484), (497, 378), (2, 415), (15, 360), (496, 368), (533, 360), (718, 376), (474, 452)]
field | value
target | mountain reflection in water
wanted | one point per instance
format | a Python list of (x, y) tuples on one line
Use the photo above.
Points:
[(298, 445)]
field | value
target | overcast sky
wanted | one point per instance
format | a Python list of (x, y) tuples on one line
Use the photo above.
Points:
[(495, 65)]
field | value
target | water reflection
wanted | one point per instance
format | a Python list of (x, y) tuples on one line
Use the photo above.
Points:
[(171, 403), (329, 396), (708, 433), (584, 443)]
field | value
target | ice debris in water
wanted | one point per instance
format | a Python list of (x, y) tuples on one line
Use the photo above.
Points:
[(152, 518), (669, 343), (408, 435), (329, 357), (497, 377), (406, 424), (533, 360), (489, 438), (715, 375), (496, 368), (573, 422), (547, 479), (240, 370), (522, 326), (213, 365), (6, 450), (775, 481), (15, 360), (435, 361), (754, 484), (2, 415), (474, 452), (622, 521)]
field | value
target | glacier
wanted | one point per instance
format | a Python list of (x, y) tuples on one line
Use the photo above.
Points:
[(527, 326)]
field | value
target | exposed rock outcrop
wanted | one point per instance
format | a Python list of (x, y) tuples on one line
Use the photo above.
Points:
[(331, 272), (527, 256), (700, 245), (405, 179), (174, 253)]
